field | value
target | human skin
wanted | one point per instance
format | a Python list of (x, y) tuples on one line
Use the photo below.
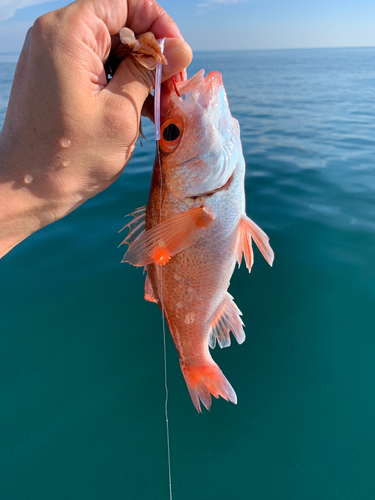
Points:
[(60, 96)]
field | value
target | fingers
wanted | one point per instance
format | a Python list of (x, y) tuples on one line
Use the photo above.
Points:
[(147, 15), (138, 15), (148, 107), (179, 56), (132, 79)]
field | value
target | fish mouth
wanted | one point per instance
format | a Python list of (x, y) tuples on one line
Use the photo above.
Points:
[(221, 149), (198, 83), (220, 166), (185, 162), (211, 193), (222, 188)]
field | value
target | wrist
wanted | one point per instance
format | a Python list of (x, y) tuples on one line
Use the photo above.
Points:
[(22, 211), (17, 216)]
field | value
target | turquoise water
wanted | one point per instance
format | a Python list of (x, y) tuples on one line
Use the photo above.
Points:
[(81, 352)]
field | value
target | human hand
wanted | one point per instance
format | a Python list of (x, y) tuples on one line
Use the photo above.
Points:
[(60, 97)]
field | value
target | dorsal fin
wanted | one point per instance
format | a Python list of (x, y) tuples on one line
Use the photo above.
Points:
[(136, 225)]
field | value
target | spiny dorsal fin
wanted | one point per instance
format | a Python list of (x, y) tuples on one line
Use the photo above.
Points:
[(247, 230), (136, 225), (227, 319)]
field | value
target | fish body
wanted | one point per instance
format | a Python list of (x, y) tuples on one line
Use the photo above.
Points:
[(194, 229)]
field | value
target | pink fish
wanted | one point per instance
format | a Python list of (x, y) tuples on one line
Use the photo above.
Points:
[(194, 229)]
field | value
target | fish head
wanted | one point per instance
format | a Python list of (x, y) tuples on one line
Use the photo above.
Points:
[(200, 140)]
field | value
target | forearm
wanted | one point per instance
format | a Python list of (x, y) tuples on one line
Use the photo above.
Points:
[(32, 193), (35, 193), (17, 221), (21, 212), (18, 210)]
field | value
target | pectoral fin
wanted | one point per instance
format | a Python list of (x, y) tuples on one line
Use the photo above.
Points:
[(248, 230), (159, 244)]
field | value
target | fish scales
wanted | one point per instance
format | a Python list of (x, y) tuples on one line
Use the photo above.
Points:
[(196, 229)]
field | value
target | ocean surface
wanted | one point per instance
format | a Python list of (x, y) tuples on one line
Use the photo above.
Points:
[(81, 352)]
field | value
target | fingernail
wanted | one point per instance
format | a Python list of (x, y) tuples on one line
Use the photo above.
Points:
[(178, 54)]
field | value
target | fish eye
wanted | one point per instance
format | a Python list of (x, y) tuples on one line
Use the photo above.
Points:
[(171, 132)]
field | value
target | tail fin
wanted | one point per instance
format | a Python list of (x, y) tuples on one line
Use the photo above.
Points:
[(204, 380)]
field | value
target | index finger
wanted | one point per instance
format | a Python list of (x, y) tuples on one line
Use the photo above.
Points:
[(138, 15)]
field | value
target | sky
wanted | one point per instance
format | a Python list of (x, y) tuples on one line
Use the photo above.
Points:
[(232, 24)]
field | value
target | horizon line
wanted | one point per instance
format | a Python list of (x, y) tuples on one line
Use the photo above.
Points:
[(16, 52), (289, 48)]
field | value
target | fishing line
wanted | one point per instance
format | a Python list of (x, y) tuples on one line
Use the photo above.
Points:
[(165, 355), (165, 348), (157, 138)]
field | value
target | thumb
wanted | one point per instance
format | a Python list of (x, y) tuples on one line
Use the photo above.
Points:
[(135, 82)]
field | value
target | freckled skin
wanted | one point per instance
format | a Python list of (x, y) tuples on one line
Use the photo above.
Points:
[(194, 282)]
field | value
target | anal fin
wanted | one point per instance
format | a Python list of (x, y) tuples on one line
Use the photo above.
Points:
[(248, 230), (227, 319)]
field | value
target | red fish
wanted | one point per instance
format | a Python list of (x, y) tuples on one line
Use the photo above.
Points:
[(194, 229)]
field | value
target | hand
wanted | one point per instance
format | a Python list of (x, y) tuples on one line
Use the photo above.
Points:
[(60, 97)]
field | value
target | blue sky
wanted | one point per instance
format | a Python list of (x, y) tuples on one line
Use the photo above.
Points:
[(233, 24)]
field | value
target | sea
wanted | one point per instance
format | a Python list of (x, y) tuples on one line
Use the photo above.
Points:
[(81, 353)]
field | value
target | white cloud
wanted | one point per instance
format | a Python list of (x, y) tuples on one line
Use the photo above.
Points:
[(212, 4), (9, 7)]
